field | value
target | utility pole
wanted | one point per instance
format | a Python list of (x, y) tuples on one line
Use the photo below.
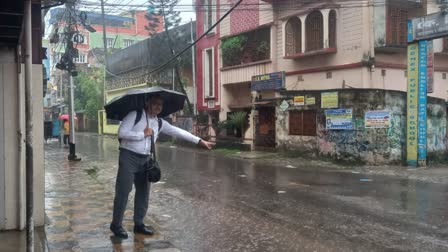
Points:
[(193, 66), (105, 55), (104, 33), (70, 52)]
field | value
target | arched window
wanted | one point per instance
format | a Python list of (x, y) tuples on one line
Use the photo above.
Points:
[(332, 29), (293, 32), (314, 31)]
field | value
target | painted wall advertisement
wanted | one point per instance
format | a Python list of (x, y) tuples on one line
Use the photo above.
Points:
[(412, 104), (330, 100), (299, 100), (377, 119), (339, 119)]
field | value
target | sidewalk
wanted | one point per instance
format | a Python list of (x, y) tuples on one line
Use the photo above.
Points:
[(15, 241), (78, 202)]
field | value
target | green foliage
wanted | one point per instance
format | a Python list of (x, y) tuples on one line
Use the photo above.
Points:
[(238, 119), (232, 49), (89, 92)]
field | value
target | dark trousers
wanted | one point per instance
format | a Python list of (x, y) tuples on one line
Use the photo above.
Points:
[(131, 171), (66, 138)]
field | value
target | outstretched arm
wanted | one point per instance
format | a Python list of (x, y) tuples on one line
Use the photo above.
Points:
[(178, 132), (208, 145)]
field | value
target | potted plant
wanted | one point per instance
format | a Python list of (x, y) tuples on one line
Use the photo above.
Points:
[(232, 49)]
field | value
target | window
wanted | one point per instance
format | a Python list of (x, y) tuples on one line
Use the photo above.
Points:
[(314, 31), (397, 27), (128, 42), (332, 29), (293, 39), (302, 123), (208, 73), (209, 14), (110, 42), (81, 58)]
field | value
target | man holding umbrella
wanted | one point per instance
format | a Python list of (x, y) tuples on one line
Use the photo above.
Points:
[(135, 147)]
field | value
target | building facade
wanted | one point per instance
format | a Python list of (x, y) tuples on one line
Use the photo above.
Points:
[(314, 46), (13, 15)]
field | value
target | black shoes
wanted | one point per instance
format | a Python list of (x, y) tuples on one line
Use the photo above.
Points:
[(119, 231), (142, 229)]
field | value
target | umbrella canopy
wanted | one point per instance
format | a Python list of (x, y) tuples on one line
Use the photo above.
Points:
[(135, 99), (65, 117)]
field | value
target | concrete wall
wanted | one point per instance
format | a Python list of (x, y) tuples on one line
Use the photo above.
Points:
[(12, 128), (374, 146)]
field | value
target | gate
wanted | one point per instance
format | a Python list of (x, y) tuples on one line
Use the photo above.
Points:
[(265, 127)]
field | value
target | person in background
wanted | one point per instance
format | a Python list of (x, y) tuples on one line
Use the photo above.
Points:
[(66, 126)]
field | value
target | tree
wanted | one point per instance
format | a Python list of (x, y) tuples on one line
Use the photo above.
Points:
[(89, 93), (162, 12)]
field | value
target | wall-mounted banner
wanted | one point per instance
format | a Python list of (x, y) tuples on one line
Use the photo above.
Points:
[(299, 100), (412, 104), (271, 81), (339, 119), (422, 97), (309, 100), (330, 100), (377, 119)]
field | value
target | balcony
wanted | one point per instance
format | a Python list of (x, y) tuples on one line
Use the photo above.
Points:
[(246, 48)]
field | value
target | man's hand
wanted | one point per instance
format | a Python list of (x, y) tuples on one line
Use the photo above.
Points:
[(208, 145), (148, 132)]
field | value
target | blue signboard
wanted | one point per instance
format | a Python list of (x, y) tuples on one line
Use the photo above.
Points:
[(271, 81), (339, 119), (422, 87)]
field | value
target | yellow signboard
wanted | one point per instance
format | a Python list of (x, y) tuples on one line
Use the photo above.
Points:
[(330, 100), (412, 105), (299, 100)]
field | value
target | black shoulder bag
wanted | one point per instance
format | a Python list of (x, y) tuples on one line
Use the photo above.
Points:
[(153, 171)]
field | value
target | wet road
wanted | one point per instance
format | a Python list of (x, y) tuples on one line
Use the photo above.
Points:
[(215, 203)]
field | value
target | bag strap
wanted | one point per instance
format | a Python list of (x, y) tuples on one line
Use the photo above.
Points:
[(138, 117), (153, 147)]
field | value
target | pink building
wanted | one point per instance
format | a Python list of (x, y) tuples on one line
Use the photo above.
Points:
[(318, 46)]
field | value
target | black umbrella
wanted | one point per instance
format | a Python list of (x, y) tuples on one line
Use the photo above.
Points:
[(135, 99)]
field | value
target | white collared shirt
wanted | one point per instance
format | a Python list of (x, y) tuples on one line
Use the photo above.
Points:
[(133, 136)]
